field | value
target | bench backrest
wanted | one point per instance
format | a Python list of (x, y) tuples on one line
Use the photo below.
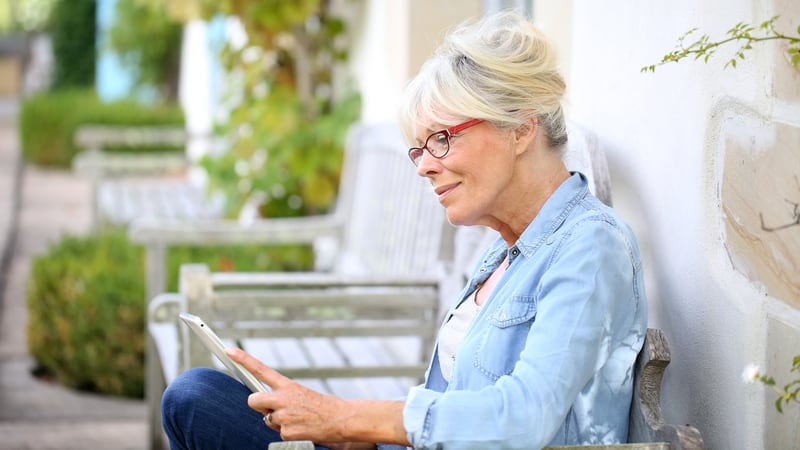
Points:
[(393, 223), (386, 220), (315, 311)]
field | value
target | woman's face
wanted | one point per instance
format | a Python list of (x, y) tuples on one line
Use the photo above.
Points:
[(472, 179)]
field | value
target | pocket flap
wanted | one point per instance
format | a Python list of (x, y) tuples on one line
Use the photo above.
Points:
[(521, 308)]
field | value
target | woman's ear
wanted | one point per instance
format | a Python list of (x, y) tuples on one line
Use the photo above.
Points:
[(525, 133)]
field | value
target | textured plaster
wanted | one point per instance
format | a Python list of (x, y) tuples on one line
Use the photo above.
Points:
[(760, 202)]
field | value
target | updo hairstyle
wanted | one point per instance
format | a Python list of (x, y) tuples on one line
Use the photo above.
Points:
[(501, 69)]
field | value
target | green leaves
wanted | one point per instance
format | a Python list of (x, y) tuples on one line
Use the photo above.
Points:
[(703, 48), (794, 55), (286, 130), (148, 43), (790, 391)]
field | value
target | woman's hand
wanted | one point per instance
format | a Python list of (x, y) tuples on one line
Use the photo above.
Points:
[(299, 413), (295, 411)]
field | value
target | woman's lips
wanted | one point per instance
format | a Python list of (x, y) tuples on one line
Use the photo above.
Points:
[(445, 190)]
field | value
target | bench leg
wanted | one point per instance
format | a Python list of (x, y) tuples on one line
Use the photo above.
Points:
[(154, 389)]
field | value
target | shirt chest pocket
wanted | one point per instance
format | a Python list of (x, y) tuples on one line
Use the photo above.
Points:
[(505, 336)]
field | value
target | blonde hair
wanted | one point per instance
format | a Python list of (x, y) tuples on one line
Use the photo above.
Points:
[(501, 69)]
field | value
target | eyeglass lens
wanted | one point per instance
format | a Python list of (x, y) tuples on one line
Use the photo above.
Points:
[(437, 144)]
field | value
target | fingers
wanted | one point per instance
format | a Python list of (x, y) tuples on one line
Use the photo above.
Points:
[(270, 377)]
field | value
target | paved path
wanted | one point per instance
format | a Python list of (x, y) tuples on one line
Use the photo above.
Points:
[(37, 207)]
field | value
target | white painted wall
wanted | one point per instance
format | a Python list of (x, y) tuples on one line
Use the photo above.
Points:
[(662, 134), (379, 59), (392, 40)]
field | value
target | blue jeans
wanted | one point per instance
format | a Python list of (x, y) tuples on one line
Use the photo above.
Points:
[(207, 409)]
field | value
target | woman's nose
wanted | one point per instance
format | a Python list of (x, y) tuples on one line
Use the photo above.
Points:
[(427, 164)]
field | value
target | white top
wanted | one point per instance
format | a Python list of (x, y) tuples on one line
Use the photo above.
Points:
[(453, 333)]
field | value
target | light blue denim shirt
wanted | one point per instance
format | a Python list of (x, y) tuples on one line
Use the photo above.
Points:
[(549, 357)]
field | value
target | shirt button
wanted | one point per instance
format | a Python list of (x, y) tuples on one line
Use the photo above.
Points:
[(515, 252)]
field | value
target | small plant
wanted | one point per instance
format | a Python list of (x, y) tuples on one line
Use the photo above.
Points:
[(787, 394), (744, 34)]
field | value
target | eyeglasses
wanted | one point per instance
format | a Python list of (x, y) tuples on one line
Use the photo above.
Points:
[(438, 143)]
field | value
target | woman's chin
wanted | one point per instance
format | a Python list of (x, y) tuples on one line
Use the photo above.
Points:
[(457, 218)]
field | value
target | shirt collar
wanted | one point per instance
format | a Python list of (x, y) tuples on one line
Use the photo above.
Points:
[(553, 213)]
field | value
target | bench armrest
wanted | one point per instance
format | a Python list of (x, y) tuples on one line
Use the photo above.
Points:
[(316, 279), (265, 231), (158, 234)]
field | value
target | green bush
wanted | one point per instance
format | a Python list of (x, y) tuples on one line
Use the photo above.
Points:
[(86, 305), (47, 122), (229, 258), (86, 314)]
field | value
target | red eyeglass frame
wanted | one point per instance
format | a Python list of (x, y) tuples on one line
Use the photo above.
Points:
[(415, 153)]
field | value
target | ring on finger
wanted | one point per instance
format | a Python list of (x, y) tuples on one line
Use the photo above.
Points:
[(268, 420)]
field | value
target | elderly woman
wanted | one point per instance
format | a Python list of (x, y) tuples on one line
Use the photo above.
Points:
[(538, 348)]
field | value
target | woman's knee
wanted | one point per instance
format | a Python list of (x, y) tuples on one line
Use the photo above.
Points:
[(188, 386), (205, 408)]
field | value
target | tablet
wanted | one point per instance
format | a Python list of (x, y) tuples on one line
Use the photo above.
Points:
[(217, 347)]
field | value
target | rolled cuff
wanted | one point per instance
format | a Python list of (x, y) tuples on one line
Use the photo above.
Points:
[(416, 414)]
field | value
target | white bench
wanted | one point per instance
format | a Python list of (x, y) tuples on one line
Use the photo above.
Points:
[(353, 336), (127, 186), (359, 326)]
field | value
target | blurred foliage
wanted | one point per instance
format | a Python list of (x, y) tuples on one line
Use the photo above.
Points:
[(284, 164), (86, 310), (25, 15), (230, 258), (72, 30), (286, 116), (86, 305), (148, 43), (48, 121)]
